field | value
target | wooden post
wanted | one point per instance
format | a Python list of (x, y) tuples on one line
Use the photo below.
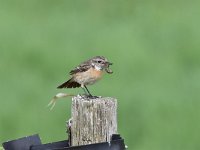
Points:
[(93, 120)]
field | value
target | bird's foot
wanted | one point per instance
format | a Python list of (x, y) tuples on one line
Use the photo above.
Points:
[(89, 96), (93, 97)]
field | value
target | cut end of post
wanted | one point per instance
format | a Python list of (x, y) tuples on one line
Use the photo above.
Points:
[(94, 120)]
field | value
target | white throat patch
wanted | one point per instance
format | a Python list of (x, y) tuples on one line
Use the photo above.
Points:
[(98, 68)]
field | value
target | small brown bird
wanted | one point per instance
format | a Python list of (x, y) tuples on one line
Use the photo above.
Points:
[(87, 73)]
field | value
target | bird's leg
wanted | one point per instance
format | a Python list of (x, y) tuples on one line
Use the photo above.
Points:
[(88, 91), (90, 95), (84, 90)]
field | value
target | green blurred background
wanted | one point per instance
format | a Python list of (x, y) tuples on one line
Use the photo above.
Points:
[(155, 48)]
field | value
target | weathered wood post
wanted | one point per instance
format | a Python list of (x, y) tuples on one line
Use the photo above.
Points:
[(93, 120)]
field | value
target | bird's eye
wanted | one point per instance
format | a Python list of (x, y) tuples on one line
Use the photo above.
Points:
[(99, 61)]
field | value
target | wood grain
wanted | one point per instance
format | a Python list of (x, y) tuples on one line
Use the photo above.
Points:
[(93, 120)]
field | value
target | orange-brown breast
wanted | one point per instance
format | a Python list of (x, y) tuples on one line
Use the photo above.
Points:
[(88, 77), (96, 73)]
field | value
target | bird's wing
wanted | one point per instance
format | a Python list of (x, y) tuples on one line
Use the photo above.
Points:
[(81, 68)]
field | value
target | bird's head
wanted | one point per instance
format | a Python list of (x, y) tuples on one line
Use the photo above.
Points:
[(101, 63)]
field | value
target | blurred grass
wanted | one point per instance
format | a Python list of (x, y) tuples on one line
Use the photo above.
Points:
[(154, 46)]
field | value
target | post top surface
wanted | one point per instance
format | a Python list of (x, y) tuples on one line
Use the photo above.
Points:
[(96, 98)]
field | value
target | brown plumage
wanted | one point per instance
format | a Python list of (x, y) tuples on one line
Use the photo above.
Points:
[(87, 73)]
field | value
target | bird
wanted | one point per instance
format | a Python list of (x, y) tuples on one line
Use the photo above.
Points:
[(87, 73)]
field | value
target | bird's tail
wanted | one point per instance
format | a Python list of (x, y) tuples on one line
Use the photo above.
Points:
[(69, 84)]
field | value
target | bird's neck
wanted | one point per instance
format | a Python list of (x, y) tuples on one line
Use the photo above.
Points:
[(98, 68)]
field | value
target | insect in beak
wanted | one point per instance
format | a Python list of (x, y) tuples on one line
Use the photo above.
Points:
[(108, 70)]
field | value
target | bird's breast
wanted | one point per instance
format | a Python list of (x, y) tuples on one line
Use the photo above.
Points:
[(88, 77)]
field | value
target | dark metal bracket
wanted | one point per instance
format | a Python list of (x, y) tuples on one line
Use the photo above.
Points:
[(34, 143)]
